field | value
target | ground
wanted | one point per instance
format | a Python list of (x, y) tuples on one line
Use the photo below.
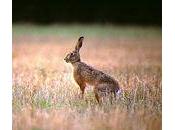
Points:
[(45, 96)]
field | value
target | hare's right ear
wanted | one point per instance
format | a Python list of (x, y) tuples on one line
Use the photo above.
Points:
[(79, 44)]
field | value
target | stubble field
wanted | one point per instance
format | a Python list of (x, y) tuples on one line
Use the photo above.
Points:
[(45, 96)]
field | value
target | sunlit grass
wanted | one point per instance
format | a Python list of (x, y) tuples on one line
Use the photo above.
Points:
[(45, 96)]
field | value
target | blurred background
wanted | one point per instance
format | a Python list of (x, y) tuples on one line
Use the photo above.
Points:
[(142, 12)]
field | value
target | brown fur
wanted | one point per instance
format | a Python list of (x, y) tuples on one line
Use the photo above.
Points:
[(84, 74)]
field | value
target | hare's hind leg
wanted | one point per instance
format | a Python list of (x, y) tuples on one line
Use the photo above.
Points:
[(100, 92), (96, 92), (103, 92)]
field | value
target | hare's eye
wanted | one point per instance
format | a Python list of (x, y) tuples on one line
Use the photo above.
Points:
[(71, 54)]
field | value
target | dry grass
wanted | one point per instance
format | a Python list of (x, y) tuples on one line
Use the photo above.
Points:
[(45, 96)]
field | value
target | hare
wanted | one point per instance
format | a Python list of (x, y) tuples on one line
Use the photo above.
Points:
[(86, 75)]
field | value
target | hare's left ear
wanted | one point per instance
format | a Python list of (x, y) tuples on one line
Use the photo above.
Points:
[(79, 44)]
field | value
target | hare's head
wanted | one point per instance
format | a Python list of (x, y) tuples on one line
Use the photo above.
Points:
[(74, 56)]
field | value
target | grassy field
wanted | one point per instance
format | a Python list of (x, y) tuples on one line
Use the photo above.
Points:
[(45, 96)]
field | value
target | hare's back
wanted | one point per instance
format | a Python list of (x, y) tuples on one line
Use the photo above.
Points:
[(93, 75)]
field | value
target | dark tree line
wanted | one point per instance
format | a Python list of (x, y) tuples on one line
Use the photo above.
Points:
[(88, 11)]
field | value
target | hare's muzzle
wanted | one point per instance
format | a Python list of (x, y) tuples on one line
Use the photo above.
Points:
[(66, 59)]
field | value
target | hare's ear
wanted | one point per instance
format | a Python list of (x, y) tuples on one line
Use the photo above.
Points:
[(79, 44)]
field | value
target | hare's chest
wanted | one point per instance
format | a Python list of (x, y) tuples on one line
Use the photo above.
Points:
[(77, 74)]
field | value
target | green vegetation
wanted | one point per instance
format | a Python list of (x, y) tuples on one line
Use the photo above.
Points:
[(105, 31)]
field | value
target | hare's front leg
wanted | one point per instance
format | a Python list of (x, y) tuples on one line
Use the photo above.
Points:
[(82, 88)]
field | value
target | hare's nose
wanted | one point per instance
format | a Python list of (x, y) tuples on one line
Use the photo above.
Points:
[(65, 59)]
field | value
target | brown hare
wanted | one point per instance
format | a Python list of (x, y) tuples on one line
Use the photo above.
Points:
[(86, 75)]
